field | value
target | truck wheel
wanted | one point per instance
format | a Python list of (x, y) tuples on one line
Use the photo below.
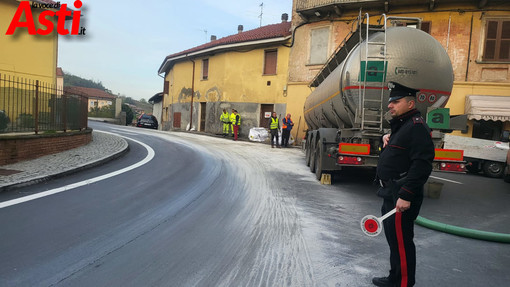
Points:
[(308, 148), (318, 160), (312, 156), (493, 168)]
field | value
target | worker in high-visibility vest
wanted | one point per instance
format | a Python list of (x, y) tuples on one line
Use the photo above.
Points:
[(287, 125), (236, 123), (274, 127), (225, 120), (232, 120)]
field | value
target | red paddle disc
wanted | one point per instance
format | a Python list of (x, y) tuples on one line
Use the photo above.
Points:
[(371, 225)]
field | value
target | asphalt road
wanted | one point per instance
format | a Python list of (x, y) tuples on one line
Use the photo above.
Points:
[(208, 211)]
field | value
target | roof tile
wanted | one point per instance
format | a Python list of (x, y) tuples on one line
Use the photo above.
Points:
[(265, 32), (91, 92)]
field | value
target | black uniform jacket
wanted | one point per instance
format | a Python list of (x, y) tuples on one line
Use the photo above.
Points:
[(410, 152)]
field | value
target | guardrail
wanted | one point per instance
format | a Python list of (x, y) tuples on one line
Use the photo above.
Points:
[(28, 105)]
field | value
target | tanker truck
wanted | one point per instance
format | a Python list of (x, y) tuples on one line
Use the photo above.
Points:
[(347, 112)]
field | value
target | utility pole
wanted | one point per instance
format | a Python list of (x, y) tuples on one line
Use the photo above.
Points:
[(261, 13)]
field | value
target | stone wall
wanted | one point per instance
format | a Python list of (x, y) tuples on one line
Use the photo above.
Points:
[(15, 148)]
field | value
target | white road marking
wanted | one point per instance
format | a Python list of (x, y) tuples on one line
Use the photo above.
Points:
[(448, 180), (149, 157)]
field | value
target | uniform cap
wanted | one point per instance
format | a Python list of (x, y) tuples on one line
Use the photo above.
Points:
[(398, 91)]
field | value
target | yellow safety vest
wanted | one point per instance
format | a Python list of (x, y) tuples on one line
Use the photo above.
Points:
[(232, 118), (238, 122), (274, 123), (225, 118)]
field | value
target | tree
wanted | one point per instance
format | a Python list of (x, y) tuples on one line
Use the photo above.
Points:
[(129, 113)]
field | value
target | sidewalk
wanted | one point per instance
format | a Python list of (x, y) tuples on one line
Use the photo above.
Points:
[(103, 147)]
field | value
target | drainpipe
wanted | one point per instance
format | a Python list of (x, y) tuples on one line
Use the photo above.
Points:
[(469, 49), (192, 93)]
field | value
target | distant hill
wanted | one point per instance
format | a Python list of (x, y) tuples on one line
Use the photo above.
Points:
[(75, 81)]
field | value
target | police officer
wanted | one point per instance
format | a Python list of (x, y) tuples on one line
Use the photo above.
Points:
[(404, 166)]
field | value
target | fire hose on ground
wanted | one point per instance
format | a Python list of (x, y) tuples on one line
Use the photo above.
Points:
[(461, 231)]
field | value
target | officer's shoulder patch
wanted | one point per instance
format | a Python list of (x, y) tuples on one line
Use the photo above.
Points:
[(417, 120)]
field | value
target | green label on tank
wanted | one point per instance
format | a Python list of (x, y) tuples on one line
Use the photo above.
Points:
[(373, 71), (439, 118)]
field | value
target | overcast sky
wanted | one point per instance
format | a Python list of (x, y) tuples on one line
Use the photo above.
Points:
[(126, 41)]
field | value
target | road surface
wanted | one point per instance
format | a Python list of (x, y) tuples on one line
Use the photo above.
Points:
[(208, 211)]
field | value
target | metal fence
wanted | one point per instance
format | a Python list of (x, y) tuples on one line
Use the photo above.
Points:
[(34, 106)]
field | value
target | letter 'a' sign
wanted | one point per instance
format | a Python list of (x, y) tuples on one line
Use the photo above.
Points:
[(439, 119)]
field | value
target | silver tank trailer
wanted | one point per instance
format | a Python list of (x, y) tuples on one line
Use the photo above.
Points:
[(414, 59)]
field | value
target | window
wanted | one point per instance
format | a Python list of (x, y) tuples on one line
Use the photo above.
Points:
[(497, 41), (166, 88), (205, 69), (425, 26), (319, 41), (270, 62)]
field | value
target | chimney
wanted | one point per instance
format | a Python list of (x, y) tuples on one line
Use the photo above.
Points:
[(285, 17), (213, 38), (239, 28)]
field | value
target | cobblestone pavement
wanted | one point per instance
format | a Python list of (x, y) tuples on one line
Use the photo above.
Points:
[(102, 147)]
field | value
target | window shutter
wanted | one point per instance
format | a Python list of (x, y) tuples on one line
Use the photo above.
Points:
[(270, 57), (497, 41), (490, 41), (205, 69), (166, 88), (425, 26)]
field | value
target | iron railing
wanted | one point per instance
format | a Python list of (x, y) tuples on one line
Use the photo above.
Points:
[(311, 4), (33, 106)]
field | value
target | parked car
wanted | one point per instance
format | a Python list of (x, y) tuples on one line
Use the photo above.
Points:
[(506, 175), (147, 121)]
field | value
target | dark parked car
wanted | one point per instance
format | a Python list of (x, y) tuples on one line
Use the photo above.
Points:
[(147, 121)]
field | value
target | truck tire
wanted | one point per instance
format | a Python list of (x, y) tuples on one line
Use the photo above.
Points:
[(318, 160), (493, 169), (307, 152), (312, 156)]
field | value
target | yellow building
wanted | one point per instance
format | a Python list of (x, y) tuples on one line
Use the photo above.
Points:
[(246, 71), (27, 56), (475, 35)]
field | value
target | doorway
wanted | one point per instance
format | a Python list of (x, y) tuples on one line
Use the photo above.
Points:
[(202, 117), (265, 110)]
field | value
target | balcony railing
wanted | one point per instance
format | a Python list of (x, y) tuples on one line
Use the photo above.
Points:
[(34, 106), (302, 5)]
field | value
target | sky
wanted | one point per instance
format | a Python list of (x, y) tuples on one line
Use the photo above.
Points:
[(125, 42)]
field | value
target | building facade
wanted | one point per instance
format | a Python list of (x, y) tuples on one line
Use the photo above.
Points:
[(475, 34), (246, 71), (27, 56)]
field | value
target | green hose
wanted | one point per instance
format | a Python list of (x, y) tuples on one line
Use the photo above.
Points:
[(465, 232)]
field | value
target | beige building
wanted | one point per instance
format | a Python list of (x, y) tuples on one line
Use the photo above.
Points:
[(475, 34), (246, 71), (96, 98)]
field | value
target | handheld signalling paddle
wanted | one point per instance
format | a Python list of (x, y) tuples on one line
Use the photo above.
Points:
[(372, 225)]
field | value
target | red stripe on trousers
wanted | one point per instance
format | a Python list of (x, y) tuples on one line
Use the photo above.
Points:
[(401, 248)]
